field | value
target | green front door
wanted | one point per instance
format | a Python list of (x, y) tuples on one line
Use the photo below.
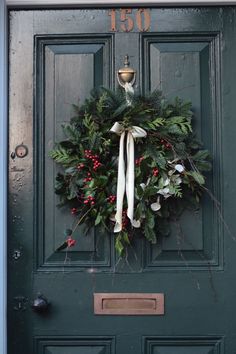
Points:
[(56, 57)]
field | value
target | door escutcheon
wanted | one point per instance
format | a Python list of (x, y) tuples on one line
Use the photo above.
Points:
[(21, 151), (20, 303)]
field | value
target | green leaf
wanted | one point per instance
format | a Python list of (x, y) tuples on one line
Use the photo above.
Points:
[(73, 190), (98, 219), (179, 125), (63, 156), (139, 192), (70, 170), (119, 245), (150, 219), (63, 246), (125, 238), (158, 121), (158, 156), (139, 210), (101, 181), (150, 234), (72, 133), (201, 155), (149, 191), (198, 177)]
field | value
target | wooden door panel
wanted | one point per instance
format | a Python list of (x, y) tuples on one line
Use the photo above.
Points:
[(189, 67), (71, 346), (184, 346), (67, 69)]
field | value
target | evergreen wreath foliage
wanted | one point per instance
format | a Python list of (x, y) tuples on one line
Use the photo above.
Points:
[(169, 164)]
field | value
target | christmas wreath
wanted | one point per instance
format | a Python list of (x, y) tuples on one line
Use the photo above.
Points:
[(130, 164)]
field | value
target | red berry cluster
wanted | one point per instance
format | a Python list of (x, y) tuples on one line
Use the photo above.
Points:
[(70, 242), (74, 211), (155, 172), (89, 178), (125, 220), (89, 200), (166, 144), (80, 166), (138, 161), (93, 158), (111, 199)]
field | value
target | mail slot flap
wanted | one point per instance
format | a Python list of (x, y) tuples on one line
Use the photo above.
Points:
[(128, 304)]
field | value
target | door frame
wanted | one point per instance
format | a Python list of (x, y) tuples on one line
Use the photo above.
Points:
[(5, 5)]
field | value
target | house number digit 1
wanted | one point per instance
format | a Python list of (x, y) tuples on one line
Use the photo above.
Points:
[(126, 22)]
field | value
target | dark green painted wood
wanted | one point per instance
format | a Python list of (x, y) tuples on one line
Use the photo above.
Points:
[(56, 57), (3, 175)]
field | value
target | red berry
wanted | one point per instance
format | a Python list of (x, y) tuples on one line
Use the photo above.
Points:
[(74, 211), (70, 242), (155, 172), (168, 146)]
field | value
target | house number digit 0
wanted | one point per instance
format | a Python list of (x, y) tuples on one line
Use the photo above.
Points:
[(128, 19)]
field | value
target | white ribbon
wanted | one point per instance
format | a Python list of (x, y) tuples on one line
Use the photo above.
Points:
[(125, 182), (129, 91)]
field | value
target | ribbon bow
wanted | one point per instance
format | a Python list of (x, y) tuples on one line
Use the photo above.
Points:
[(125, 181)]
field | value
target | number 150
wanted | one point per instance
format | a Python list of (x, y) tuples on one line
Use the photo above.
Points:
[(127, 19)]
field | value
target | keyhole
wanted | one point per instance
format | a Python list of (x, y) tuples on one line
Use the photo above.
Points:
[(21, 151), (16, 254)]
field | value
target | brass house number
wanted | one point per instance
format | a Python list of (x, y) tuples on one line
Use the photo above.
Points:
[(125, 20)]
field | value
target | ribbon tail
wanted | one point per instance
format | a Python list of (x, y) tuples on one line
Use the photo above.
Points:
[(130, 176), (129, 91), (120, 186)]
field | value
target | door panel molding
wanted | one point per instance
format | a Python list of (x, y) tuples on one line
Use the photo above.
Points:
[(182, 53), (201, 345), (63, 64), (77, 345)]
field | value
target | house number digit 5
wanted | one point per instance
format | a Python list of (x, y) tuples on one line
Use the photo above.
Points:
[(127, 19)]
